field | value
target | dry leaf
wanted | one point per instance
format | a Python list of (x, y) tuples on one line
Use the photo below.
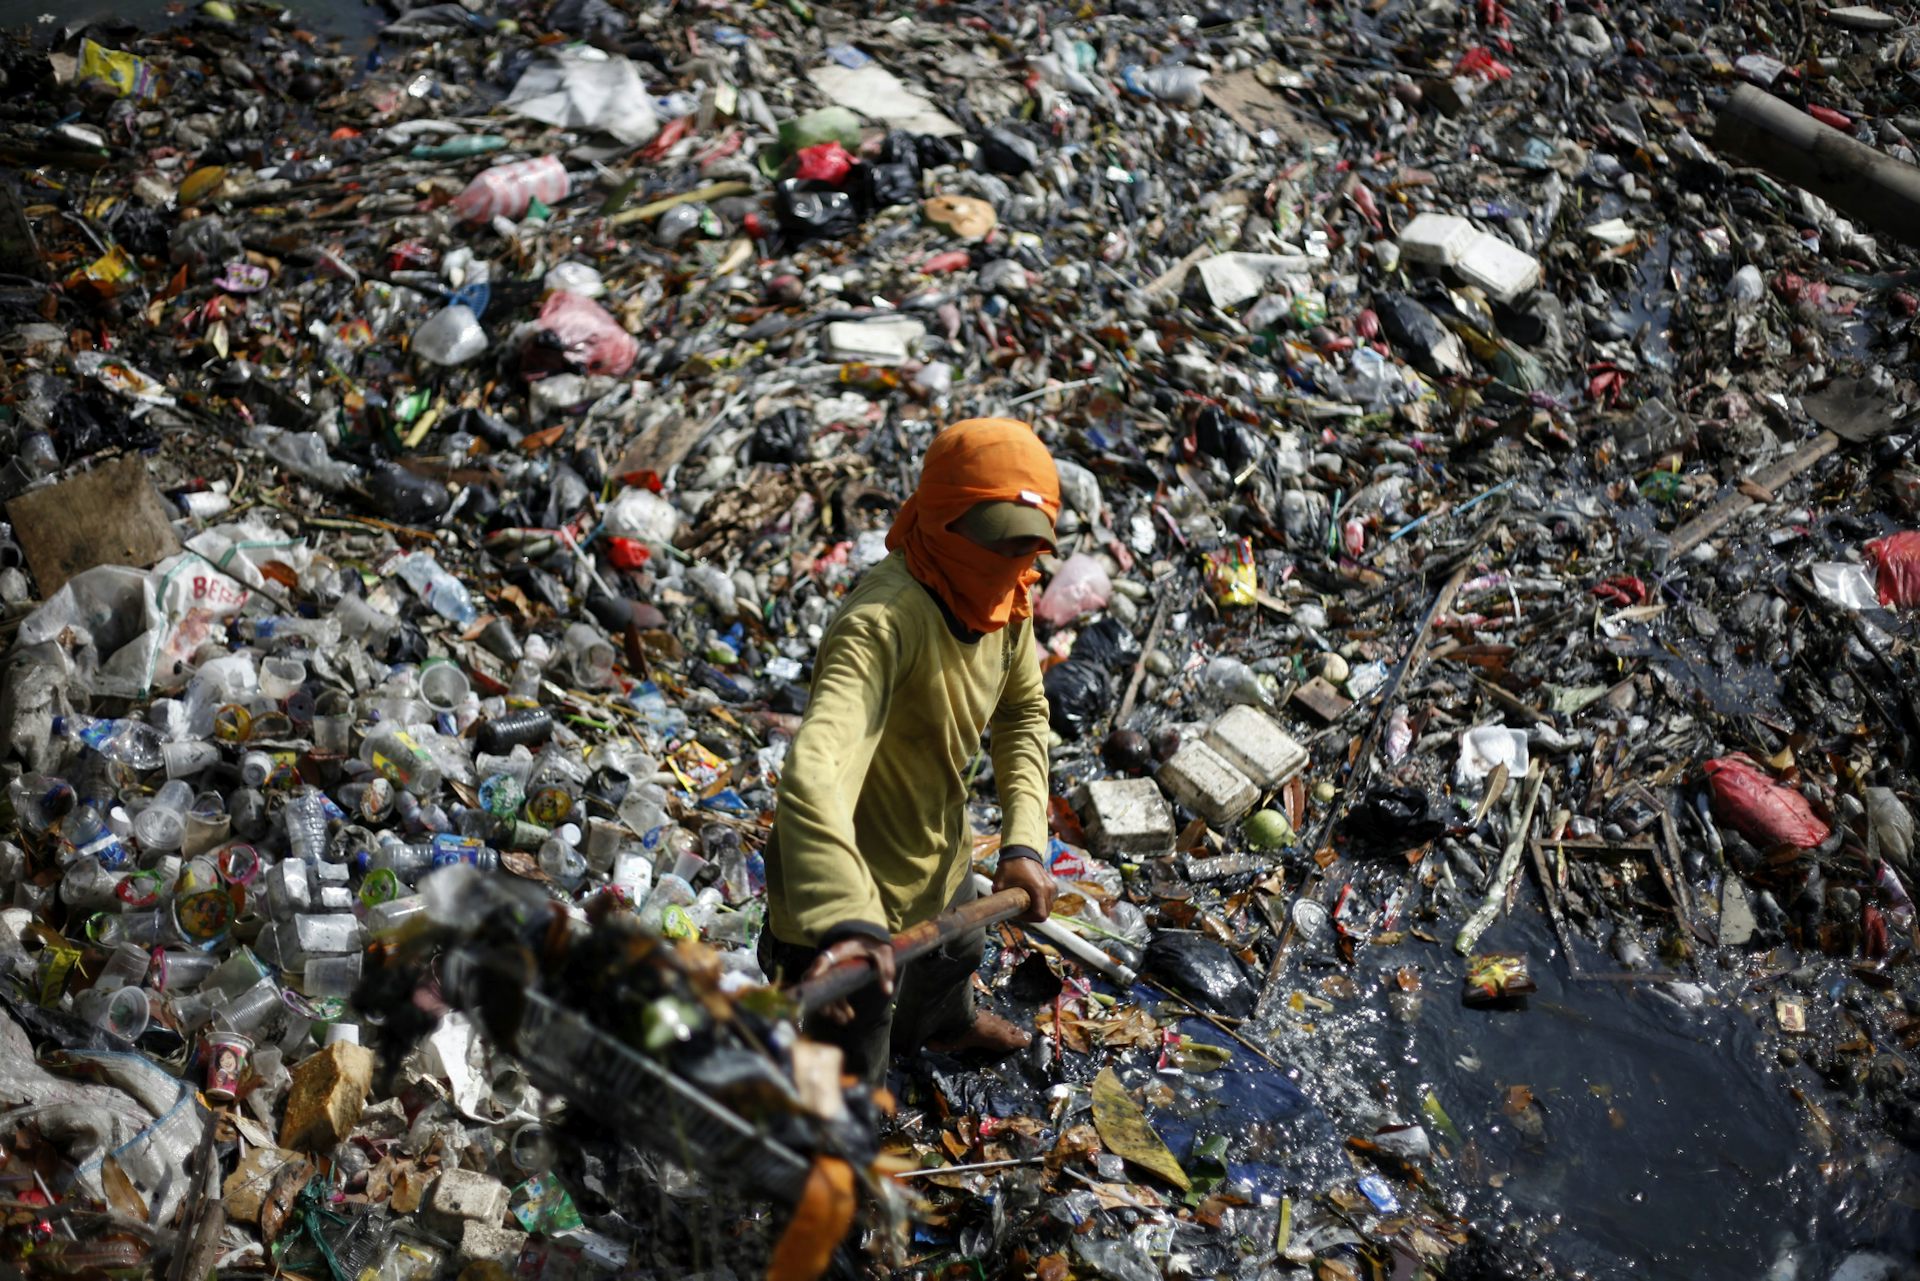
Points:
[(1123, 1128), (819, 1223)]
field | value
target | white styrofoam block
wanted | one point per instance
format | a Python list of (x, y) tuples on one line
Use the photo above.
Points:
[(1437, 240), (1128, 816), (1202, 780), (1253, 744), (1498, 268)]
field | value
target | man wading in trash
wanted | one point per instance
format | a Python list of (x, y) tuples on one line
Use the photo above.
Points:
[(871, 836)]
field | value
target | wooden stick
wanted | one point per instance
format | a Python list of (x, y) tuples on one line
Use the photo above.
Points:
[(1770, 478), (850, 976), (1140, 668)]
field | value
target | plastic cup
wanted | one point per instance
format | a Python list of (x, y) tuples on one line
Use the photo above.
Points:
[(163, 824), (251, 1010), (280, 676), (124, 1011), (182, 969), (331, 975), (208, 824), (593, 656), (443, 685), (127, 967), (341, 1034), (532, 1149), (227, 1054), (184, 759)]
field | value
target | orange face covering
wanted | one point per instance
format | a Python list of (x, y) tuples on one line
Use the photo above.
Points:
[(981, 460)]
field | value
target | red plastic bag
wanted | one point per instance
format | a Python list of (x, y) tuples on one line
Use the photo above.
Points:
[(823, 162), (1760, 807), (593, 340), (1898, 556), (627, 554)]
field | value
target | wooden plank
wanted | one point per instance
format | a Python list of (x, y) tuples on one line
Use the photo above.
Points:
[(1770, 478)]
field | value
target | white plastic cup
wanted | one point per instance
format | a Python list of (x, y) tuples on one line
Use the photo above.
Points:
[(280, 676), (163, 824), (186, 759), (443, 685)]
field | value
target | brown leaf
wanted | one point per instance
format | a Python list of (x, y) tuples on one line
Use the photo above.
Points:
[(535, 441), (819, 1223), (1052, 1267), (122, 1197)]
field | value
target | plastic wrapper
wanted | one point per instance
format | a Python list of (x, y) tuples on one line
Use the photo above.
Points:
[(582, 87), (1079, 587), (805, 211), (1897, 557), (125, 74), (826, 162), (781, 437), (1389, 820), (591, 338), (1231, 575), (1761, 807)]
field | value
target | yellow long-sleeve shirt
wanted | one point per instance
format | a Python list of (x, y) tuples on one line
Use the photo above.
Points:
[(871, 826)]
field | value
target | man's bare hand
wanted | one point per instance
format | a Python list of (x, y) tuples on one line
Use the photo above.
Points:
[(876, 952), (1027, 874)]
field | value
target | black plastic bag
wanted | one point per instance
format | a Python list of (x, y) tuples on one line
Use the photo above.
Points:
[(1197, 967), (882, 186), (781, 438), (809, 209), (400, 495), (1077, 696), (1231, 441), (1004, 151), (901, 148), (1107, 644), (1391, 820)]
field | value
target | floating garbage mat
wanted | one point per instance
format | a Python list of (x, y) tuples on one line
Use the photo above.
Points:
[(549, 545)]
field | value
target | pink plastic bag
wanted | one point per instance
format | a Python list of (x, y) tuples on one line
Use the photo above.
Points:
[(507, 190), (1898, 556), (1081, 587), (591, 338), (1760, 807)]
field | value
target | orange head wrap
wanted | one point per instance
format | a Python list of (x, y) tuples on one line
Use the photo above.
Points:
[(980, 460)]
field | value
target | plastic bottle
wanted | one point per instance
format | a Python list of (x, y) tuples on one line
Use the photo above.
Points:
[(450, 336), (392, 854), (130, 742), (523, 690), (396, 754), (561, 859), (306, 820), (448, 849), (1181, 84), (445, 594), (526, 726), (86, 836), (40, 800), (505, 191)]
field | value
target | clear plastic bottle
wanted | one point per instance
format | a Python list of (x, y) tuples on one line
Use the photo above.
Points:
[(561, 859), (40, 800), (86, 835), (306, 820), (446, 595), (448, 849), (404, 860), (398, 756), (130, 742)]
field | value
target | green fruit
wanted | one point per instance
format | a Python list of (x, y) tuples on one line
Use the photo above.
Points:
[(218, 11), (1268, 830)]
